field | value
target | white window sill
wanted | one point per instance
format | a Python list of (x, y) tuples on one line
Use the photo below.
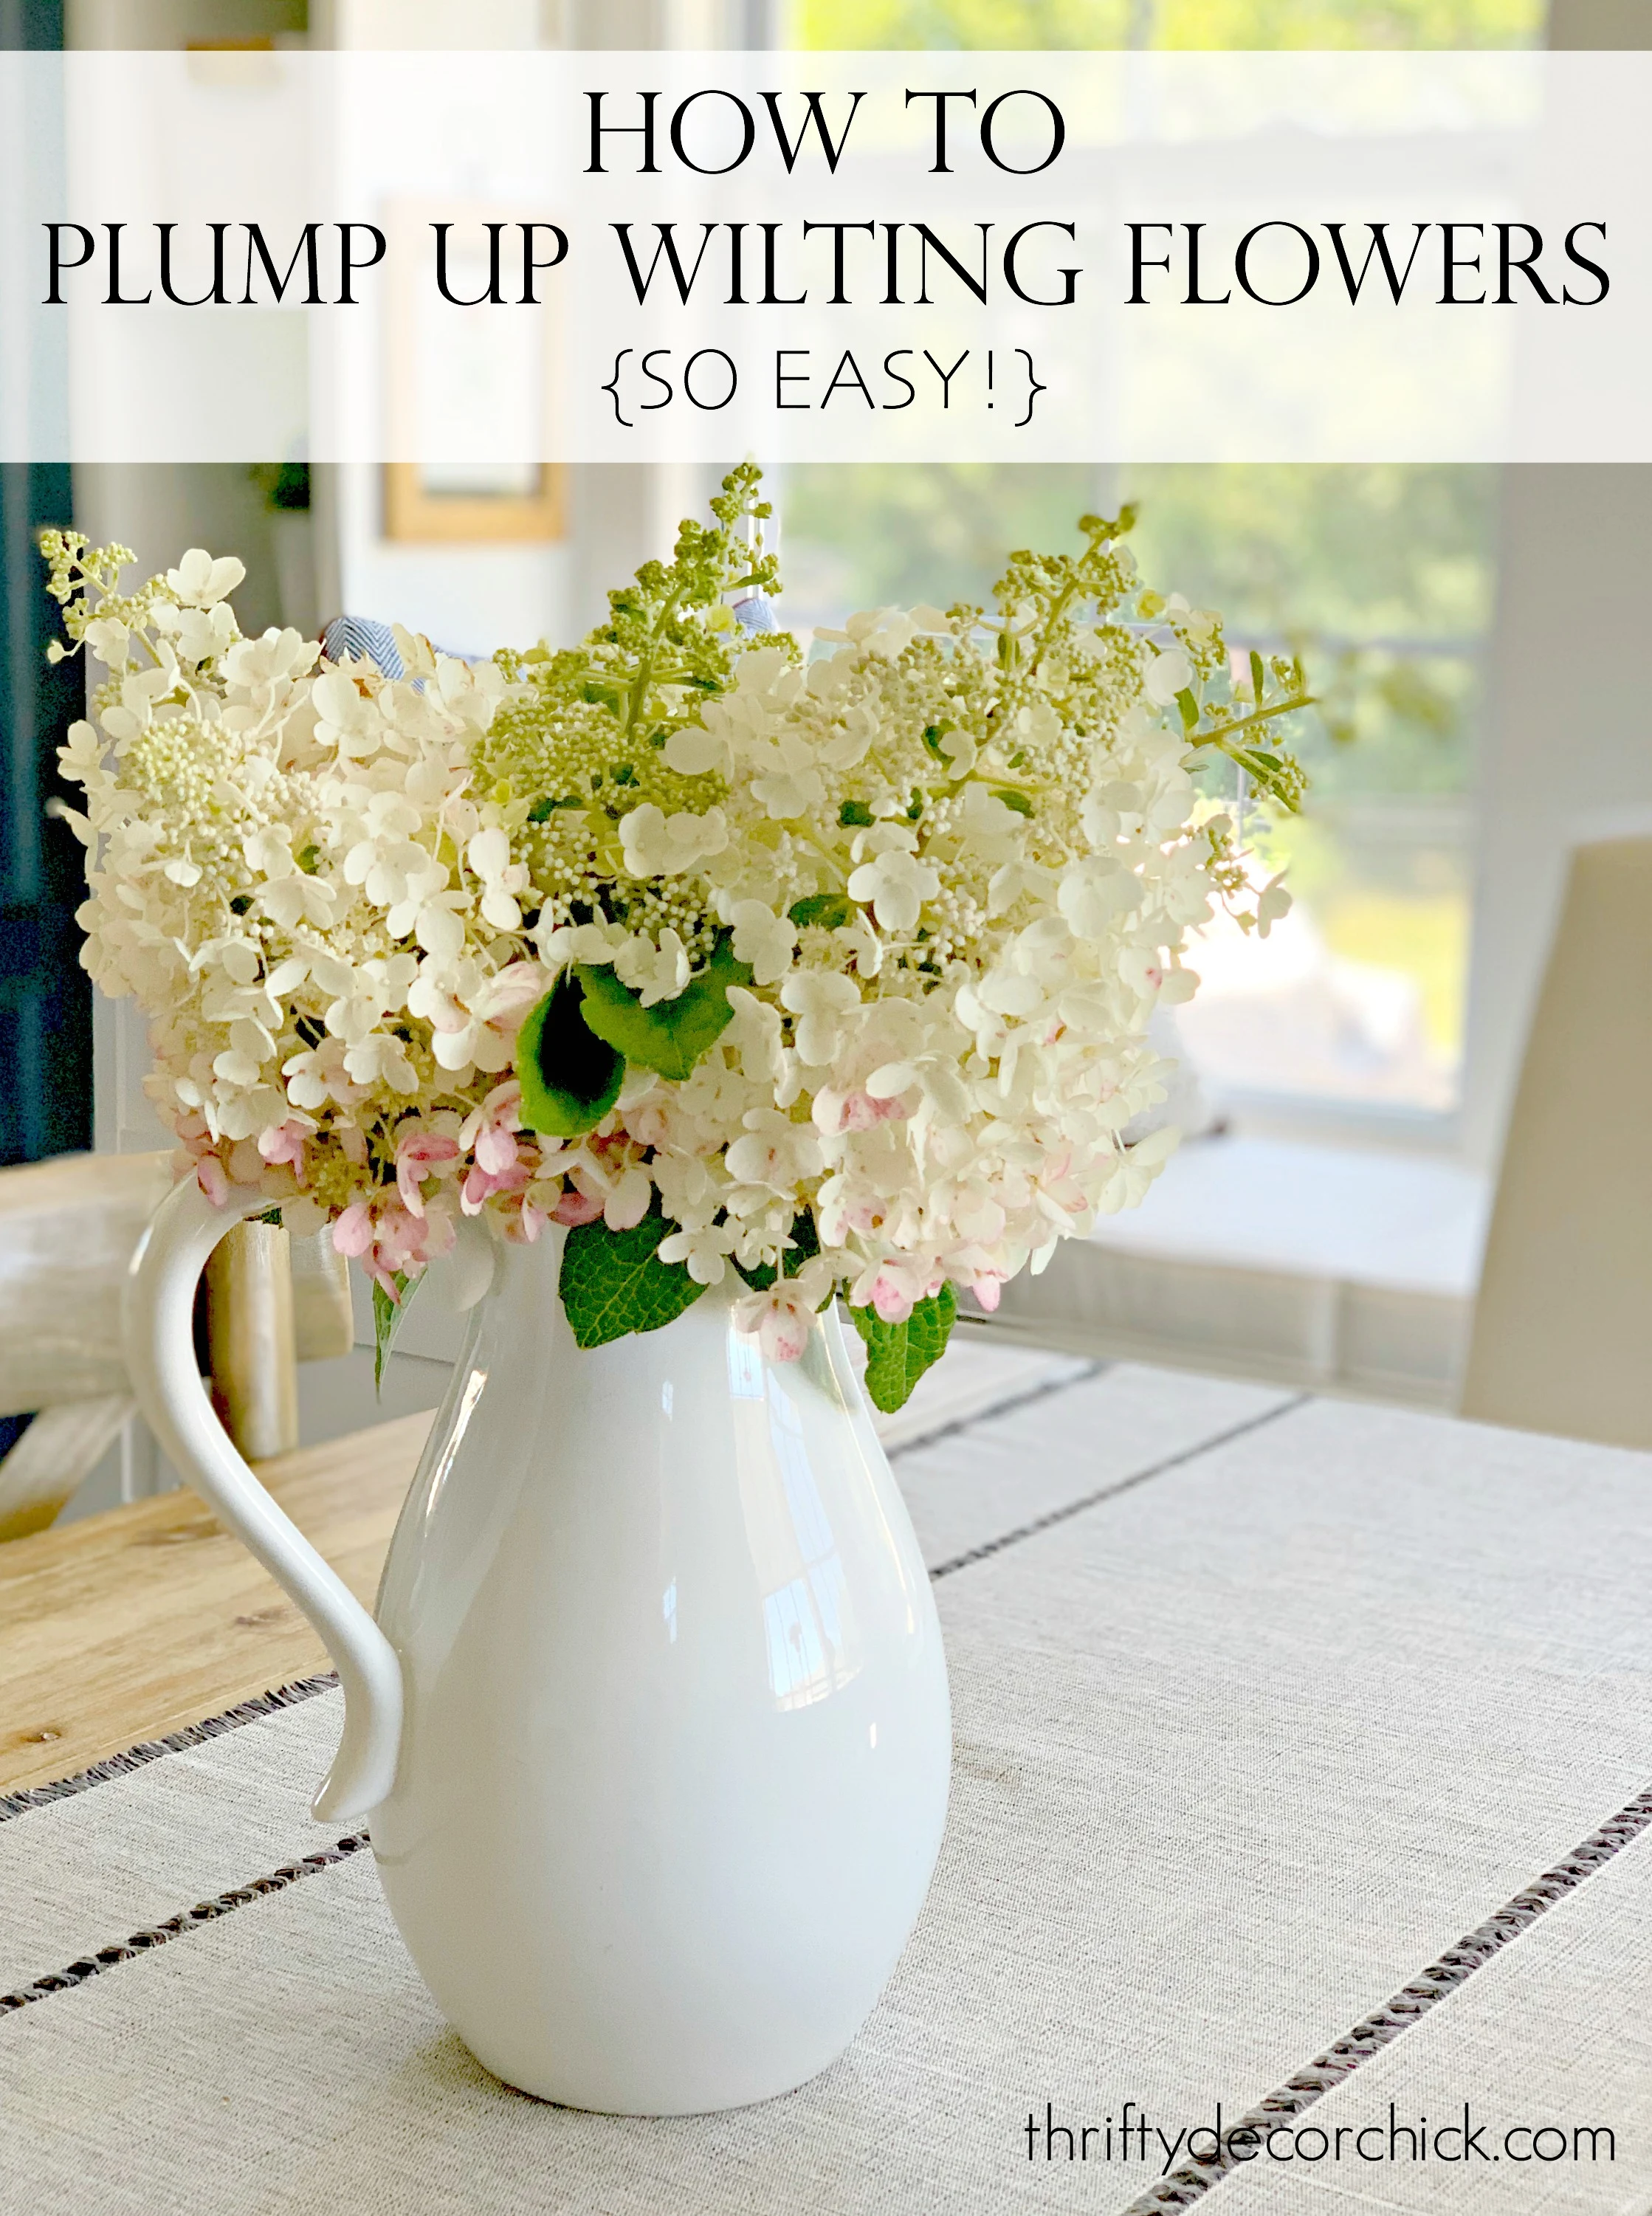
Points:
[(1342, 1269)]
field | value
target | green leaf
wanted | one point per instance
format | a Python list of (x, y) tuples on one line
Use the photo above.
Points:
[(1258, 677), (897, 1354), (1189, 708), (614, 1282), (829, 910), (854, 812), (1011, 798), (569, 1077), (672, 1036), (387, 1316)]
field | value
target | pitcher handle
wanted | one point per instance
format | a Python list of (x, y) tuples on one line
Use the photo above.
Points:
[(158, 1329)]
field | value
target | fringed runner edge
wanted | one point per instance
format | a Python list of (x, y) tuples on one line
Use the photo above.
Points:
[(151, 1750)]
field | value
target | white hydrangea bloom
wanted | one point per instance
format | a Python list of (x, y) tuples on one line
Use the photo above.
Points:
[(942, 874)]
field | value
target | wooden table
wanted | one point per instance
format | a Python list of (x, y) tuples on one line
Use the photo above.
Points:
[(126, 1625), (130, 1624)]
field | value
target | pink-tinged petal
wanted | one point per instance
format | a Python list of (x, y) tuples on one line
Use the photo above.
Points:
[(628, 1204), (400, 1238), (353, 1232), (576, 1208), (863, 1112), (892, 1301), (495, 1151), (648, 1127), (420, 1155), (514, 991), (284, 1143), (426, 1148), (522, 1226), (783, 1324), (987, 1288), (210, 1176), (440, 1236), (785, 1338), (503, 1105)]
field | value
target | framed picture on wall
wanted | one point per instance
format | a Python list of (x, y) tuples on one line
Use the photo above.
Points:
[(477, 365), (452, 500)]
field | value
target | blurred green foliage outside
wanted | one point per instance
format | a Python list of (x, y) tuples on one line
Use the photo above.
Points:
[(1010, 24), (1381, 576)]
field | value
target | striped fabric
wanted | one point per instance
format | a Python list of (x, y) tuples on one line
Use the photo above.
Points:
[(359, 638)]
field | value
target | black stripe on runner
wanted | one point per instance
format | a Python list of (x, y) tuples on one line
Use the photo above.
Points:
[(151, 1750), (1412, 2001), (189, 1919), (1022, 1399), (1104, 1492)]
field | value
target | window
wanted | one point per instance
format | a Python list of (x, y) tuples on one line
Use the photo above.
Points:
[(1382, 579), (1008, 24)]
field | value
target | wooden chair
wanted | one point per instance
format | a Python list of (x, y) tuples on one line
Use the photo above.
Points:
[(1562, 1326), (68, 1228)]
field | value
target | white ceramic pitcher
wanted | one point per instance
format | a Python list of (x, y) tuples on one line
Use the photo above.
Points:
[(652, 1729)]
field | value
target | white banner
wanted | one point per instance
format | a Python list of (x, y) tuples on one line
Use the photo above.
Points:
[(478, 263)]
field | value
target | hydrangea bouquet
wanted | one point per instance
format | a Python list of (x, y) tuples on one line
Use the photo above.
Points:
[(834, 973)]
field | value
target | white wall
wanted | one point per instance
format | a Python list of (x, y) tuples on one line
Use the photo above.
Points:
[(614, 24), (472, 598), (468, 599), (1567, 751)]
